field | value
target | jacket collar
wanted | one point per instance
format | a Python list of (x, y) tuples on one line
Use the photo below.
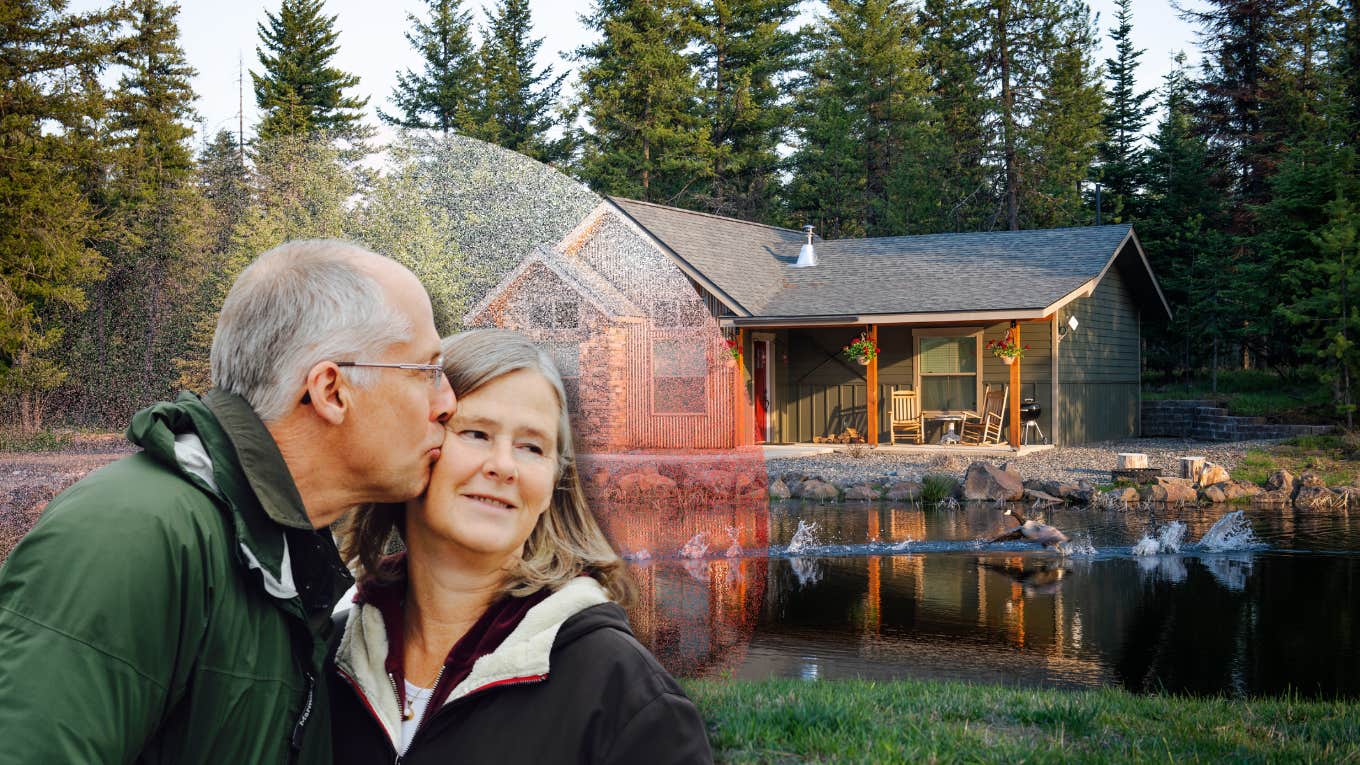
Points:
[(260, 459), (523, 655)]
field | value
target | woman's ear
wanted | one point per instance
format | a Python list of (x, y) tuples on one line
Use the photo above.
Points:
[(327, 392)]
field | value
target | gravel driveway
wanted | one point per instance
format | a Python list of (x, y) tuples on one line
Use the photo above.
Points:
[(1092, 461)]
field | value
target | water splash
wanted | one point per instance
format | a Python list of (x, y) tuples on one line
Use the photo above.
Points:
[(696, 547), (640, 555), (734, 550), (1167, 541), (902, 546), (1231, 532), (1079, 544), (804, 539)]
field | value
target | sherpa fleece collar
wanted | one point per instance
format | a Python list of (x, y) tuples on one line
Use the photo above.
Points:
[(362, 654)]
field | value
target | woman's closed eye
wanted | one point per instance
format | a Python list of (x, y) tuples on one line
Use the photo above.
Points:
[(474, 435)]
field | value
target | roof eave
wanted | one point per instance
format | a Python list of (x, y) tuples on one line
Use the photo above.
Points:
[(930, 317), (684, 265)]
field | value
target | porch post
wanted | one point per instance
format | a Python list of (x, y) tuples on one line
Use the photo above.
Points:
[(1014, 398), (741, 405), (871, 379)]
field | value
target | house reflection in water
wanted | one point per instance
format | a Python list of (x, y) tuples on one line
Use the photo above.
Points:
[(879, 616)]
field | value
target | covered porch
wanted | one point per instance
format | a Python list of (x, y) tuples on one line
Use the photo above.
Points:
[(803, 388)]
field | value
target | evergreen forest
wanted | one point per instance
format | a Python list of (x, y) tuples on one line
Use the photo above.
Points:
[(122, 225)]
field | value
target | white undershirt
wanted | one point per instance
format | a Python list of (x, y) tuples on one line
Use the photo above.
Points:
[(417, 699)]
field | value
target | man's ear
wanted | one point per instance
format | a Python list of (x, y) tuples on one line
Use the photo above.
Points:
[(327, 392)]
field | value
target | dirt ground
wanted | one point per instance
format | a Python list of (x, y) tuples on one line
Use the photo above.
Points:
[(29, 480)]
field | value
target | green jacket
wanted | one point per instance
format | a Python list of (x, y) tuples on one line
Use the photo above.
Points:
[(172, 607)]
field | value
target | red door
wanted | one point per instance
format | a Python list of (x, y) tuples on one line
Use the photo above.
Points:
[(760, 349)]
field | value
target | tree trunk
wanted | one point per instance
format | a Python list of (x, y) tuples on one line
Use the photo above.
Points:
[(1008, 117), (1130, 461), (1191, 467)]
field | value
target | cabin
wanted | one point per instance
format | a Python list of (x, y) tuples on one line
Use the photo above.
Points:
[(707, 332)]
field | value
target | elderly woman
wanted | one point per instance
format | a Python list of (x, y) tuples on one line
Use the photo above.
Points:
[(497, 636)]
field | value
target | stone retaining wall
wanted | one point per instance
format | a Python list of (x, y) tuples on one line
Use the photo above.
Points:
[(1205, 421)]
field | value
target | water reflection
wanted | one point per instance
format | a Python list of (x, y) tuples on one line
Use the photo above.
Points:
[(1238, 622)]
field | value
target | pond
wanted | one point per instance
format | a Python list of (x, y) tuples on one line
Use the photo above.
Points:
[(1269, 604)]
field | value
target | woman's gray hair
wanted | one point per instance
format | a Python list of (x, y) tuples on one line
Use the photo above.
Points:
[(566, 542), (299, 304)]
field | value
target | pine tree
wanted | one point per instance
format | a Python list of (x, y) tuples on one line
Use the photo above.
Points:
[(518, 104), (746, 55), (1121, 168), (1183, 233), (298, 90), (157, 240), (1061, 130), (962, 187), (1038, 61), (639, 92), (445, 95), (867, 64), (225, 183), (45, 219)]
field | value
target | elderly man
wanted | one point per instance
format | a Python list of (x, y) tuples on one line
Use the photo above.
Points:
[(174, 606)]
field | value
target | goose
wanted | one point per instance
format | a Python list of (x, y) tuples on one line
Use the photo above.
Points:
[(1032, 531)]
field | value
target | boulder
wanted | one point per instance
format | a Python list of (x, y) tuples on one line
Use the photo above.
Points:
[(1034, 495), (1309, 480), (779, 490), (643, 485), (1316, 498), (985, 481), (1278, 497), (1172, 490), (1213, 493), (862, 492), (1238, 489), (817, 490), (1213, 474), (1128, 495), (1281, 480), (903, 491)]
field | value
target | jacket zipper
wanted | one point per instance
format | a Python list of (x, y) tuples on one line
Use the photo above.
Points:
[(306, 714), (527, 680)]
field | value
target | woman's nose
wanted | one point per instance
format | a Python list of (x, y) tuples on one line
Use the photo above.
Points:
[(501, 462)]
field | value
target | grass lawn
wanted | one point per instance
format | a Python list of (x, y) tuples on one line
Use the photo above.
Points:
[(851, 721), (1253, 393), (1336, 458)]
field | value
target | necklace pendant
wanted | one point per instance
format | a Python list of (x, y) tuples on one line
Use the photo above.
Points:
[(406, 713)]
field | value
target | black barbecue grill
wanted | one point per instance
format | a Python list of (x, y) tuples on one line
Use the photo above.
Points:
[(1029, 418)]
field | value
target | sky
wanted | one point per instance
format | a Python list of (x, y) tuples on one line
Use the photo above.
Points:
[(218, 37)]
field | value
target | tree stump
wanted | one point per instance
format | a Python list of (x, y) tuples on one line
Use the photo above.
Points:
[(1191, 467), (1130, 461)]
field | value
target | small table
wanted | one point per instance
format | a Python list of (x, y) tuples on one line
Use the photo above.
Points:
[(950, 436)]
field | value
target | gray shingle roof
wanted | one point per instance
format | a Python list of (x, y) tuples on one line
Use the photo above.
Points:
[(986, 271)]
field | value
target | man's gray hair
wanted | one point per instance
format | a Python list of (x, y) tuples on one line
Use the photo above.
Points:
[(299, 304)]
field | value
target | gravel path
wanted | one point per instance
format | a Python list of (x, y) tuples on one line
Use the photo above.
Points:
[(1092, 462)]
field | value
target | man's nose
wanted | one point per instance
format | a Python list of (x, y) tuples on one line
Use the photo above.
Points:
[(444, 403)]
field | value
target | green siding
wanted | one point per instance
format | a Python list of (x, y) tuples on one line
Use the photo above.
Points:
[(1098, 365)]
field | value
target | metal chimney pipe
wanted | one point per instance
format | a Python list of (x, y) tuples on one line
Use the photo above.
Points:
[(807, 255)]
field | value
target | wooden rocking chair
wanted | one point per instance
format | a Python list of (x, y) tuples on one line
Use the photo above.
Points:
[(906, 416), (985, 428)]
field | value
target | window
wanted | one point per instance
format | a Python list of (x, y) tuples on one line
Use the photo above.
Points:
[(557, 314), (947, 366), (679, 370)]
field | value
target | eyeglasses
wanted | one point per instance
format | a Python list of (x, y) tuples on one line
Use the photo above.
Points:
[(435, 370)]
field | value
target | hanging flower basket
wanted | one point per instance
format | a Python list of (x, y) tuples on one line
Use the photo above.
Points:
[(862, 350), (1007, 349), (733, 352)]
